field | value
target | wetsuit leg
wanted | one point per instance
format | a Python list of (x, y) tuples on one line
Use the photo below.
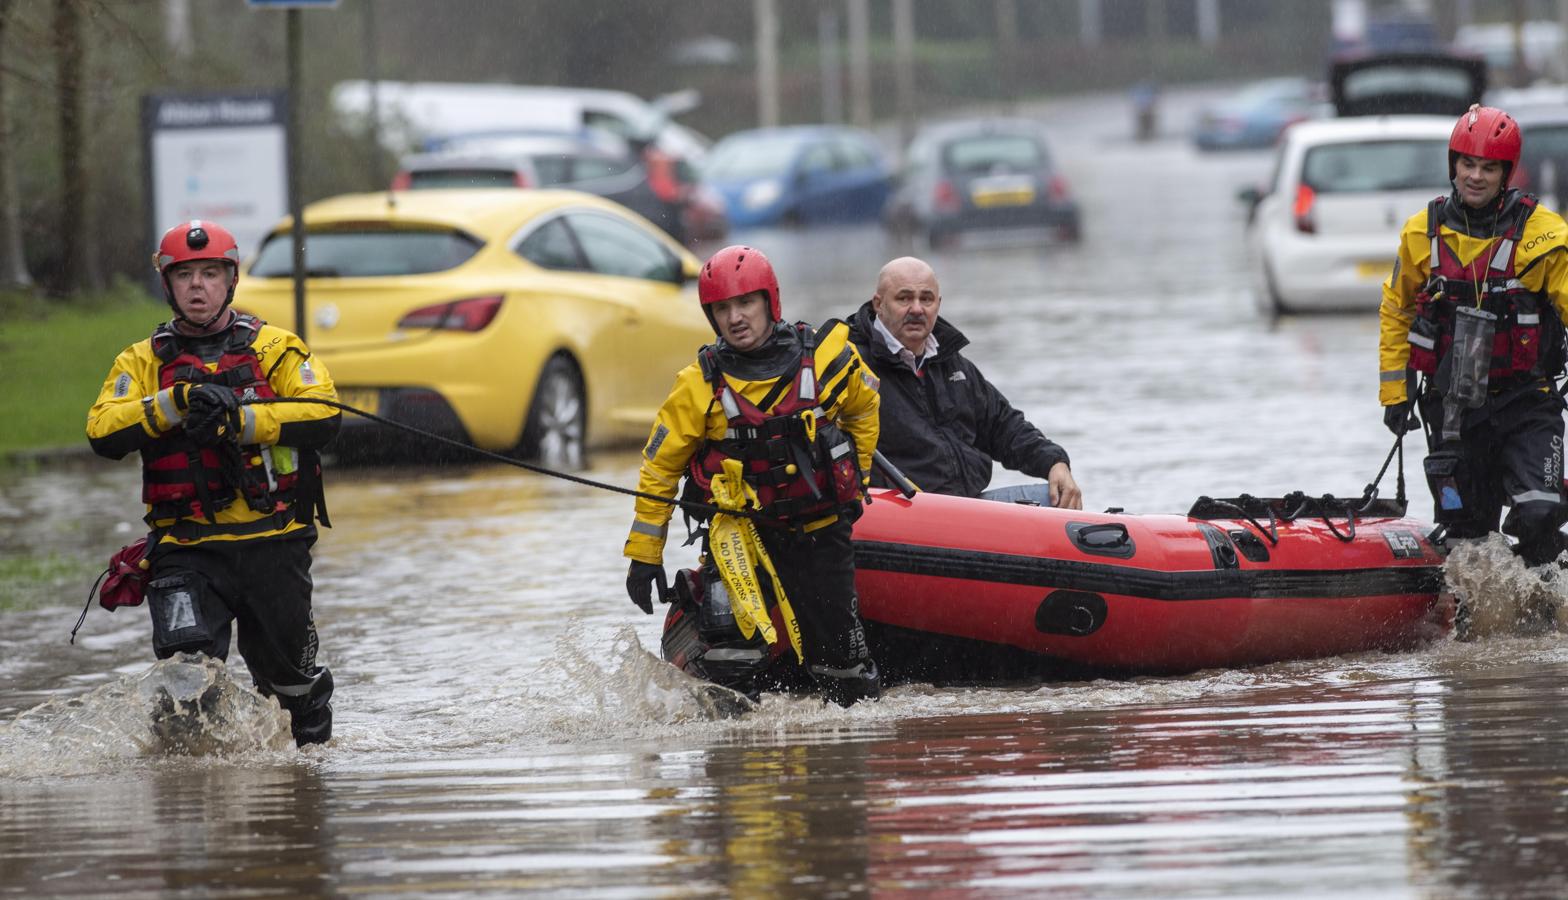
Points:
[(187, 604), (277, 633), (1530, 469), (818, 573), (1474, 477)]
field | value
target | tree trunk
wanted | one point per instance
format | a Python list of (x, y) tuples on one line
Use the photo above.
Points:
[(13, 267), (73, 177)]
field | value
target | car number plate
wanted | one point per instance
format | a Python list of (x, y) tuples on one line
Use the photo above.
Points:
[(366, 399), (1003, 197), (1374, 270)]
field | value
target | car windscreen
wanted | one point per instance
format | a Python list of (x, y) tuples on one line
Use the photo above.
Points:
[(1390, 165), (462, 178), (367, 253), (987, 152), (737, 159)]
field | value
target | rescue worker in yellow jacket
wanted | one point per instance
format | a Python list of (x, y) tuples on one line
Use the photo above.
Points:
[(232, 491), (795, 409), (1472, 339)]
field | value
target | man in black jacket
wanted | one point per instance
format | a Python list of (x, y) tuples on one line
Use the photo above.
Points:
[(942, 422)]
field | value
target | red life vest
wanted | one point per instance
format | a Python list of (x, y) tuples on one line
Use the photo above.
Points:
[(183, 480), (1523, 344), (800, 470)]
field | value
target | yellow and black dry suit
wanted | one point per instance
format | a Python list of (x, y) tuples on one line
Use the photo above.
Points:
[(1507, 260), (812, 555), (236, 522)]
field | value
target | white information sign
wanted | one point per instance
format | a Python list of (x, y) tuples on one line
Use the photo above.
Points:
[(218, 157)]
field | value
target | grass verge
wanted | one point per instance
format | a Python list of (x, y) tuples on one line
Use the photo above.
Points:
[(54, 356), (32, 581)]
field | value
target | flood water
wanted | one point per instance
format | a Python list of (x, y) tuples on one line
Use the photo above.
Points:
[(504, 726)]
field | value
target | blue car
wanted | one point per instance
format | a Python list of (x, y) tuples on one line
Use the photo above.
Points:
[(1255, 116), (799, 175)]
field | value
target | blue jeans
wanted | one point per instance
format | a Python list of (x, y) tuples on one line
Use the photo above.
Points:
[(1038, 494)]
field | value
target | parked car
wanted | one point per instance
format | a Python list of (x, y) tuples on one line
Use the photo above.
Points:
[(1256, 115), (1406, 83), (589, 160), (798, 175), (1543, 160), (1324, 232), (411, 113), (979, 174), (522, 321)]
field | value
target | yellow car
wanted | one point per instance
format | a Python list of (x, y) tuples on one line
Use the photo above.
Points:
[(532, 322)]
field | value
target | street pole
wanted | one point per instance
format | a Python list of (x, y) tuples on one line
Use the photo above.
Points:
[(830, 59), (767, 16), (904, 67), (297, 234), (859, 28)]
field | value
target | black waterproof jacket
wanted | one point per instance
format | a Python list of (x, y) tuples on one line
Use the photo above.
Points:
[(944, 426)]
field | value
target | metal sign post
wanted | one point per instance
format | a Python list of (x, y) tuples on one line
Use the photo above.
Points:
[(297, 233)]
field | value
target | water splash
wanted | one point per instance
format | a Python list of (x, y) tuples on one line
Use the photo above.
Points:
[(1500, 595), (182, 707)]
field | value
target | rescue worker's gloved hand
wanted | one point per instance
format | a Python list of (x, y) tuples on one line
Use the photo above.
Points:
[(640, 577), (1398, 419), (213, 414)]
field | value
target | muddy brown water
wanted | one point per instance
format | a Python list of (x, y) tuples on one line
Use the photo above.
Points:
[(504, 729)]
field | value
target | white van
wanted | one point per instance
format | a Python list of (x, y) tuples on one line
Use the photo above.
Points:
[(414, 113)]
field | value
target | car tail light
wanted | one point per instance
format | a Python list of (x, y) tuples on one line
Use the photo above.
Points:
[(1305, 197), (662, 177), (520, 178), (1056, 189), (403, 180), (944, 198), (471, 314)]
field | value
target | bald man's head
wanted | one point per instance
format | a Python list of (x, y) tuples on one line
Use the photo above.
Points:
[(907, 300)]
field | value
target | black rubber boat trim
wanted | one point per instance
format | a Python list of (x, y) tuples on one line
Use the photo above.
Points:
[(1103, 578)]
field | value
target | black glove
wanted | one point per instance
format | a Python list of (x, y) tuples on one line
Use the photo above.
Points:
[(213, 414), (639, 583), (1398, 418)]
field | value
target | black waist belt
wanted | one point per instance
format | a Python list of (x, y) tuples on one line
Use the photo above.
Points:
[(190, 529)]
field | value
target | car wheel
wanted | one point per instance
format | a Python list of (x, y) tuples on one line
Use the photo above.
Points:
[(557, 421)]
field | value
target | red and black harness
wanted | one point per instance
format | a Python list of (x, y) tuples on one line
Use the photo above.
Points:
[(800, 463), (1524, 343), (181, 480)]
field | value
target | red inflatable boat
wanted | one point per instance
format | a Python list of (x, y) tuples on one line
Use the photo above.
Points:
[(954, 588)]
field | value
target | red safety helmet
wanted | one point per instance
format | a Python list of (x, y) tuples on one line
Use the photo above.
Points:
[(734, 272), (196, 239), (1486, 132)]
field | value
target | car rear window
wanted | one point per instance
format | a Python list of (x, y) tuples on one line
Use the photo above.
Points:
[(981, 154), (1377, 166), (367, 253), (462, 178)]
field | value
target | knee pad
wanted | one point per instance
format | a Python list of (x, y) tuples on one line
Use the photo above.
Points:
[(179, 621)]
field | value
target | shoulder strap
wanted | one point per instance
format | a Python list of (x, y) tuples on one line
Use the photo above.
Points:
[(165, 344), (708, 362)]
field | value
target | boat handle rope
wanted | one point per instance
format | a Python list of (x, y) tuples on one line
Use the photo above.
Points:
[(1271, 532), (1322, 505)]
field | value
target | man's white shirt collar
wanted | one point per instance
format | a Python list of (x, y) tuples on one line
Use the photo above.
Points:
[(897, 348)]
